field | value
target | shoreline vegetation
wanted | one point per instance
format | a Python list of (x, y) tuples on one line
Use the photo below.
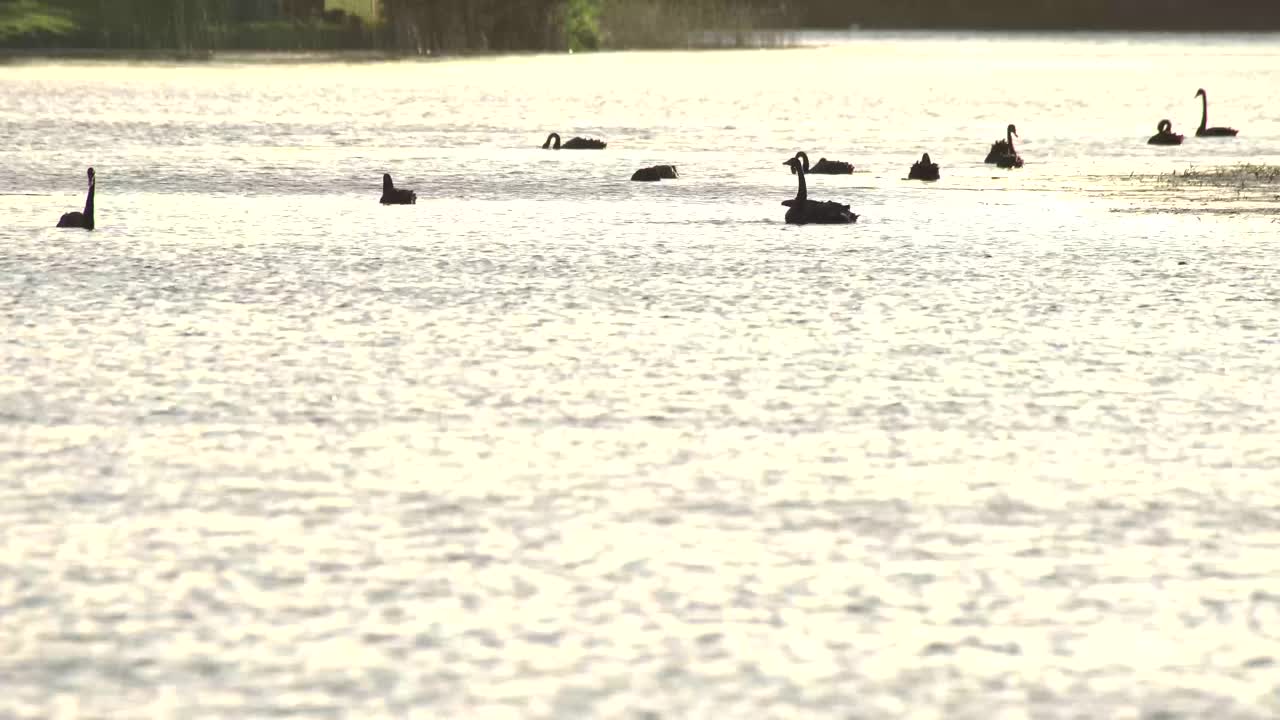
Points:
[(194, 29)]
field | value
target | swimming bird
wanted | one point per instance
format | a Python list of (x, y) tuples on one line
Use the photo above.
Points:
[(802, 210), (577, 143), (657, 172), (1203, 131), (1010, 158), (1002, 147), (823, 166), (84, 219), (1165, 135), (392, 195), (924, 169)]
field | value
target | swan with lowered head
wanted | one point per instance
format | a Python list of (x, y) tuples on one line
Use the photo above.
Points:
[(823, 166), (1203, 131), (924, 169), (1165, 135), (577, 143), (84, 219), (392, 195), (655, 173), (803, 211)]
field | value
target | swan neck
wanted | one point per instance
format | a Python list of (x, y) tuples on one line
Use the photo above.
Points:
[(804, 161), (1204, 110), (803, 193), (552, 136), (88, 204)]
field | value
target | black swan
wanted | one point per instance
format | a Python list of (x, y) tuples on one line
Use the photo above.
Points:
[(823, 166), (392, 195), (657, 172), (1203, 131), (802, 210), (577, 143), (1001, 148), (84, 219), (1165, 135), (924, 169), (1010, 159)]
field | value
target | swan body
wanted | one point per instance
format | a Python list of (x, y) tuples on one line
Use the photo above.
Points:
[(84, 219), (1165, 135), (577, 143), (1001, 148), (1203, 131), (392, 195), (924, 169), (1009, 158), (998, 148), (655, 173), (803, 211), (1009, 162), (823, 166)]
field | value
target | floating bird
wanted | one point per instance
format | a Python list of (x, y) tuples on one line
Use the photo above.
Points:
[(657, 172), (1010, 158), (1165, 135), (1203, 131), (577, 143), (924, 169), (802, 210), (85, 219), (824, 166), (392, 195), (1001, 147)]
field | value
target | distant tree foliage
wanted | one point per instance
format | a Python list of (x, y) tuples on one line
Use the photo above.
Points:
[(1139, 15), (431, 26)]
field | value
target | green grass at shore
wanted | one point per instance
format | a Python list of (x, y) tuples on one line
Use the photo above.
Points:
[(20, 18)]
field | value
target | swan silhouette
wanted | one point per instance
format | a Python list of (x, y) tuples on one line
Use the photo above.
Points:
[(823, 166), (657, 172), (1009, 158), (577, 143), (1165, 135), (1203, 131), (924, 169), (85, 219), (1001, 148), (392, 195), (802, 210)]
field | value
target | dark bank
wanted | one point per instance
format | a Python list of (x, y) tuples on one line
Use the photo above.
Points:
[(458, 26)]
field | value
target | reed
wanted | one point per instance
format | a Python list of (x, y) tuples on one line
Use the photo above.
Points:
[(1244, 189), (1241, 177)]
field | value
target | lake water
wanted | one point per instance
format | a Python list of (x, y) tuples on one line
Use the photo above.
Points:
[(550, 443)]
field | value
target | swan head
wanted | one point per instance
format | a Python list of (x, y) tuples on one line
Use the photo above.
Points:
[(1164, 126), (90, 174), (1013, 129), (925, 159), (795, 164), (1201, 93), (386, 181)]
